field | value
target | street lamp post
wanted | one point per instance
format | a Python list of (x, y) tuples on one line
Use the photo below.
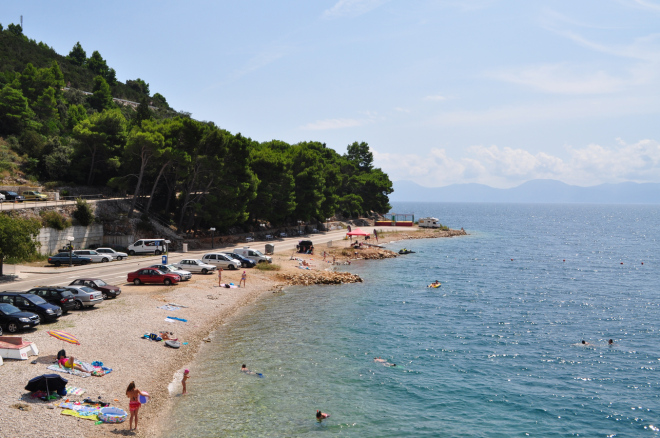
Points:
[(70, 239), (212, 230)]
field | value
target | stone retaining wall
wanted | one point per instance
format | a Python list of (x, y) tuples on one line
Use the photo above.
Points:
[(51, 239)]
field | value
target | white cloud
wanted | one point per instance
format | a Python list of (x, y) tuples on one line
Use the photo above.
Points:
[(322, 125), (564, 79), (436, 97), (352, 8), (507, 167)]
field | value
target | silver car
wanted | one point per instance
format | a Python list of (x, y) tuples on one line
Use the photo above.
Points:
[(221, 261), (185, 275), (111, 252), (85, 296), (194, 265), (93, 255)]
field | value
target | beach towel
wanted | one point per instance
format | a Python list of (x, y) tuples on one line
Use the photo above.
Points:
[(81, 414), (177, 319), (169, 307), (73, 390), (69, 371), (229, 286)]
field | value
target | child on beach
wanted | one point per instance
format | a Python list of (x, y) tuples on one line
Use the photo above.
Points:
[(186, 376), (134, 404)]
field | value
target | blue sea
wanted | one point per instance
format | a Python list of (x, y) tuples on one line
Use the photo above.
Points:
[(496, 351)]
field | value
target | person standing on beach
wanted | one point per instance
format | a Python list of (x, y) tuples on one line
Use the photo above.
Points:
[(243, 277), (134, 404), (186, 376), (333, 259), (324, 255), (219, 277)]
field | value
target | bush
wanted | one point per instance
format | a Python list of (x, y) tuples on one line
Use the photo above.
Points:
[(268, 267), (83, 213), (53, 219)]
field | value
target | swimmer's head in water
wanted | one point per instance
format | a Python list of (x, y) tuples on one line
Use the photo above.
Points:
[(243, 366), (611, 341), (584, 342), (318, 414)]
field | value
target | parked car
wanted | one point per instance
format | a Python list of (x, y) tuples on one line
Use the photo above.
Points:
[(185, 275), (195, 266), (85, 296), (33, 195), (58, 296), (146, 246), (93, 255), (14, 319), (12, 196), (111, 252), (152, 275), (253, 254), (305, 247), (62, 258), (245, 262), (32, 303), (221, 261), (107, 290)]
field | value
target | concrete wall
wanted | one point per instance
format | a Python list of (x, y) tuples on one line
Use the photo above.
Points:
[(123, 240), (52, 239)]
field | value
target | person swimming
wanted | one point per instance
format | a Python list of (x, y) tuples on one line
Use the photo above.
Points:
[(245, 369), (320, 416), (378, 359)]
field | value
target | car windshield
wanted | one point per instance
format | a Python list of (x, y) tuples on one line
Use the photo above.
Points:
[(35, 299), (171, 267), (101, 283), (197, 262), (8, 309), (257, 252)]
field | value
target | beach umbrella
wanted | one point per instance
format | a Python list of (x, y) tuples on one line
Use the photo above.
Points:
[(64, 336), (46, 382)]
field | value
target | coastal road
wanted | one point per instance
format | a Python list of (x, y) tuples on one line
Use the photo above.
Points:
[(115, 272)]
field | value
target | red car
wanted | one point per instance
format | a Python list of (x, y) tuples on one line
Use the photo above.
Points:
[(151, 275)]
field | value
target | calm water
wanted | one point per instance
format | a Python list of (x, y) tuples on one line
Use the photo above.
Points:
[(494, 352)]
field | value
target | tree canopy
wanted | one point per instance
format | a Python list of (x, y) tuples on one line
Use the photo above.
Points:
[(17, 238)]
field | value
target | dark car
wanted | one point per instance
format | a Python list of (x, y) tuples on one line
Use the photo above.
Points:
[(12, 196), (108, 290), (63, 259), (32, 303), (305, 247), (56, 295), (245, 262), (151, 276), (13, 319)]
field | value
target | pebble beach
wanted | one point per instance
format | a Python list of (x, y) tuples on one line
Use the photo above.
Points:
[(113, 332)]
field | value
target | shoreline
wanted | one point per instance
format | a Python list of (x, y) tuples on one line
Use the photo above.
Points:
[(112, 334)]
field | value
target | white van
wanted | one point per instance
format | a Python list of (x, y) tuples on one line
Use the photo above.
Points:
[(146, 246), (429, 222), (253, 254), (221, 261)]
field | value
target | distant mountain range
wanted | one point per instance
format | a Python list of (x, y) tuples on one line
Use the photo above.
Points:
[(541, 191)]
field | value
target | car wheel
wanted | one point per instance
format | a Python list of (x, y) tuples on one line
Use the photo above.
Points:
[(78, 305), (120, 258), (205, 271), (58, 264), (131, 252), (136, 282), (12, 327), (168, 282), (232, 267), (104, 260), (157, 252), (105, 295)]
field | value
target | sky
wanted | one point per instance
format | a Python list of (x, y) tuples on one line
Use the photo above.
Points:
[(443, 91)]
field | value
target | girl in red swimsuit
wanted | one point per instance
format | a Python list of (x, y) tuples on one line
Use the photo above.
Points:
[(134, 403)]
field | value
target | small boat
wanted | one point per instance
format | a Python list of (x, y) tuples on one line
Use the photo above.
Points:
[(406, 251)]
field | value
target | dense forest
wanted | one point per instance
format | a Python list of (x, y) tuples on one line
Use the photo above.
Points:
[(194, 174)]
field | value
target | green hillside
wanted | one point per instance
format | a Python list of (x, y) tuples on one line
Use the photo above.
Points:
[(194, 174)]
